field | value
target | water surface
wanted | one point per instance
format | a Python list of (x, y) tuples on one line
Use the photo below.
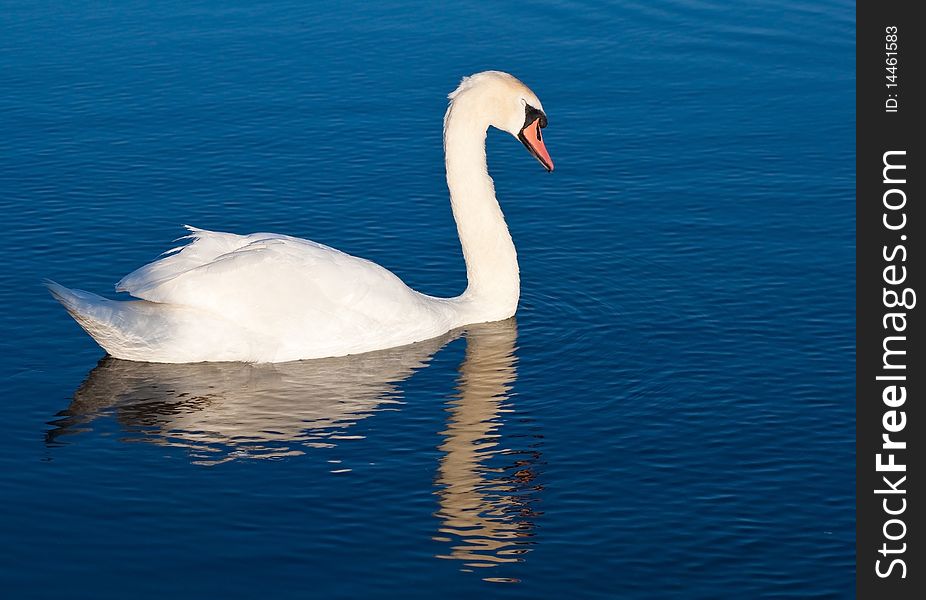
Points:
[(670, 414)]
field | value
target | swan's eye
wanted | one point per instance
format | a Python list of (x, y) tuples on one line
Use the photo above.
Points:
[(531, 114)]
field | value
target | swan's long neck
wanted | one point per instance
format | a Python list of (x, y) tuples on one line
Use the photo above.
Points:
[(491, 261)]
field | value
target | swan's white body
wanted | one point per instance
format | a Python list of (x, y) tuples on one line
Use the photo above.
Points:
[(274, 298)]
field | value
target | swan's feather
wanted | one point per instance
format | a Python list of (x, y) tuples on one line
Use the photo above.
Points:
[(151, 332), (204, 247), (292, 297)]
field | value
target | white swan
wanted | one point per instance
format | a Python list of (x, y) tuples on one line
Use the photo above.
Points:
[(273, 298)]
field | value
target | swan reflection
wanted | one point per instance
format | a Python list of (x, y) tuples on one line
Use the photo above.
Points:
[(226, 411)]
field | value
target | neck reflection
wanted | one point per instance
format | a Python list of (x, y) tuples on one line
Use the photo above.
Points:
[(487, 489)]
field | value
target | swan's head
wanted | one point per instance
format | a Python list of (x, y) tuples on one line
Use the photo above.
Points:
[(505, 103)]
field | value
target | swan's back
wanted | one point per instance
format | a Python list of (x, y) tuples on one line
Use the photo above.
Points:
[(256, 298)]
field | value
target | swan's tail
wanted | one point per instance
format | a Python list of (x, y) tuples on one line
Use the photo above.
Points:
[(100, 317), (153, 332)]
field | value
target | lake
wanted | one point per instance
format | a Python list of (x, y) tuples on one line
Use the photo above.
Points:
[(670, 413)]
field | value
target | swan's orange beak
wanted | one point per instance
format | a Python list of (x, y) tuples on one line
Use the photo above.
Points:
[(532, 139)]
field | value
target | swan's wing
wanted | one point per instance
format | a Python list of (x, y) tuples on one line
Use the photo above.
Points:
[(203, 248), (287, 287), (214, 249)]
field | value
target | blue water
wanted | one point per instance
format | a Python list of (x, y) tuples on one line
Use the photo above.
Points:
[(670, 414)]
